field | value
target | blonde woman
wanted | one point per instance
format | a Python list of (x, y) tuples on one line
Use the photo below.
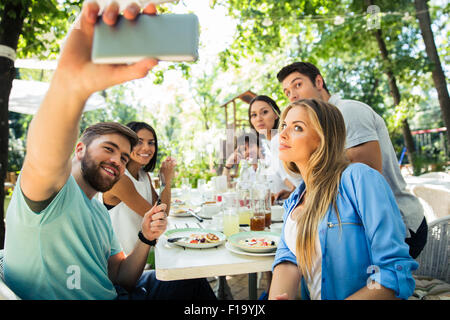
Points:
[(343, 233)]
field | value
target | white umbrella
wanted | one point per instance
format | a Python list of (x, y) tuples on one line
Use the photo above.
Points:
[(26, 97)]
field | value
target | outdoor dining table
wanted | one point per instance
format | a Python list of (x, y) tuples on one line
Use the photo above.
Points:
[(173, 262)]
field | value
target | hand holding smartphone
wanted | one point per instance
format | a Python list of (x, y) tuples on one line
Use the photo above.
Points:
[(167, 37)]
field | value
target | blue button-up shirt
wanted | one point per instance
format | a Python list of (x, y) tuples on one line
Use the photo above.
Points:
[(369, 244)]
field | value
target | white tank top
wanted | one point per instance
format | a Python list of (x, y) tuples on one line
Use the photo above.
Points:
[(126, 222), (313, 280)]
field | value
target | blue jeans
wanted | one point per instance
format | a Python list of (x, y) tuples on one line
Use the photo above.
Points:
[(150, 288)]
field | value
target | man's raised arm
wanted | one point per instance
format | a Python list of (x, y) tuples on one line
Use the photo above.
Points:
[(54, 129)]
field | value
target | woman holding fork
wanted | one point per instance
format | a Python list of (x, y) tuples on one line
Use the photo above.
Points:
[(133, 195)]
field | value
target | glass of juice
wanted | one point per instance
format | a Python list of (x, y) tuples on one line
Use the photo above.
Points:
[(258, 221), (258, 218), (230, 223), (230, 214), (244, 215), (245, 210)]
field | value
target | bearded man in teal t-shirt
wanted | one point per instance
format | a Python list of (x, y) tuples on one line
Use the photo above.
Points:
[(59, 241)]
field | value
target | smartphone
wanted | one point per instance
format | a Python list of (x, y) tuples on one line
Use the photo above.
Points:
[(167, 37)]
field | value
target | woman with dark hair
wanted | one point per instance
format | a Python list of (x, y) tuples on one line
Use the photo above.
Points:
[(133, 195), (264, 116)]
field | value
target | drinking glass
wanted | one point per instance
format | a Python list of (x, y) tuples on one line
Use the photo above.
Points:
[(201, 185), (185, 185), (244, 210), (230, 214), (258, 218)]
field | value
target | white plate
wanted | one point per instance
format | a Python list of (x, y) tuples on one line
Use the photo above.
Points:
[(177, 211), (236, 239), (234, 249), (188, 231)]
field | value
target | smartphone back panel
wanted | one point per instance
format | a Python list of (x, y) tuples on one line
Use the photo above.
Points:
[(169, 37)]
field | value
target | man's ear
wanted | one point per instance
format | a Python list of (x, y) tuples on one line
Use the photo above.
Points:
[(319, 82), (80, 150)]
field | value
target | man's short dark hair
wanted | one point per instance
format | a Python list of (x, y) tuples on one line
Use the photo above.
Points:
[(102, 128), (305, 68)]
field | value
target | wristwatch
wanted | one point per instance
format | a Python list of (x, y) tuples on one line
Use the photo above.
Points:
[(145, 240)]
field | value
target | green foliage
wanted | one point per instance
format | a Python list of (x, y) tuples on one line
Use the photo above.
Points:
[(45, 24), (197, 169), (18, 126), (430, 159), (116, 109), (205, 94), (347, 53)]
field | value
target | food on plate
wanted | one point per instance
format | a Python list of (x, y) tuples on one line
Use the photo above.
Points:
[(258, 242), (177, 202), (211, 237), (203, 238), (180, 210)]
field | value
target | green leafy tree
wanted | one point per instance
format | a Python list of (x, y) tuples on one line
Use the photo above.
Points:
[(334, 35), (438, 75)]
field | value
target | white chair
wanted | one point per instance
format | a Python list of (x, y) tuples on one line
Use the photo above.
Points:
[(5, 292), (437, 197), (434, 260)]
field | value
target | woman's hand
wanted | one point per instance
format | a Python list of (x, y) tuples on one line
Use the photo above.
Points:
[(168, 169)]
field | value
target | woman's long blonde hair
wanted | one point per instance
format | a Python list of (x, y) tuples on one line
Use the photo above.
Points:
[(323, 174)]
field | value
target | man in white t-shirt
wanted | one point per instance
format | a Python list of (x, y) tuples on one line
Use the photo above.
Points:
[(367, 142)]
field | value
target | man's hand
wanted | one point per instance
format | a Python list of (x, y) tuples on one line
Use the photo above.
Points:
[(75, 65), (154, 222)]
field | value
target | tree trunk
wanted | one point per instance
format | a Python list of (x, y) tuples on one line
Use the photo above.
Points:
[(438, 74), (395, 92), (11, 27)]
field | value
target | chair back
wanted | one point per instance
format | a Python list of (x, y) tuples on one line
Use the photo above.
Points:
[(434, 260)]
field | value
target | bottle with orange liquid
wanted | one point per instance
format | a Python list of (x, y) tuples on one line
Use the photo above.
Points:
[(258, 218)]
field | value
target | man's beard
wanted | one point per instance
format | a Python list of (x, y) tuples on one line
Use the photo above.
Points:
[(92, 175)]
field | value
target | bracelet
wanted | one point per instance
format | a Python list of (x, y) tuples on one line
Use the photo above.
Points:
[(229, 168), (145, 240)]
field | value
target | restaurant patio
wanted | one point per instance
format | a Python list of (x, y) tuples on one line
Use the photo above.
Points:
[(201, 115)]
